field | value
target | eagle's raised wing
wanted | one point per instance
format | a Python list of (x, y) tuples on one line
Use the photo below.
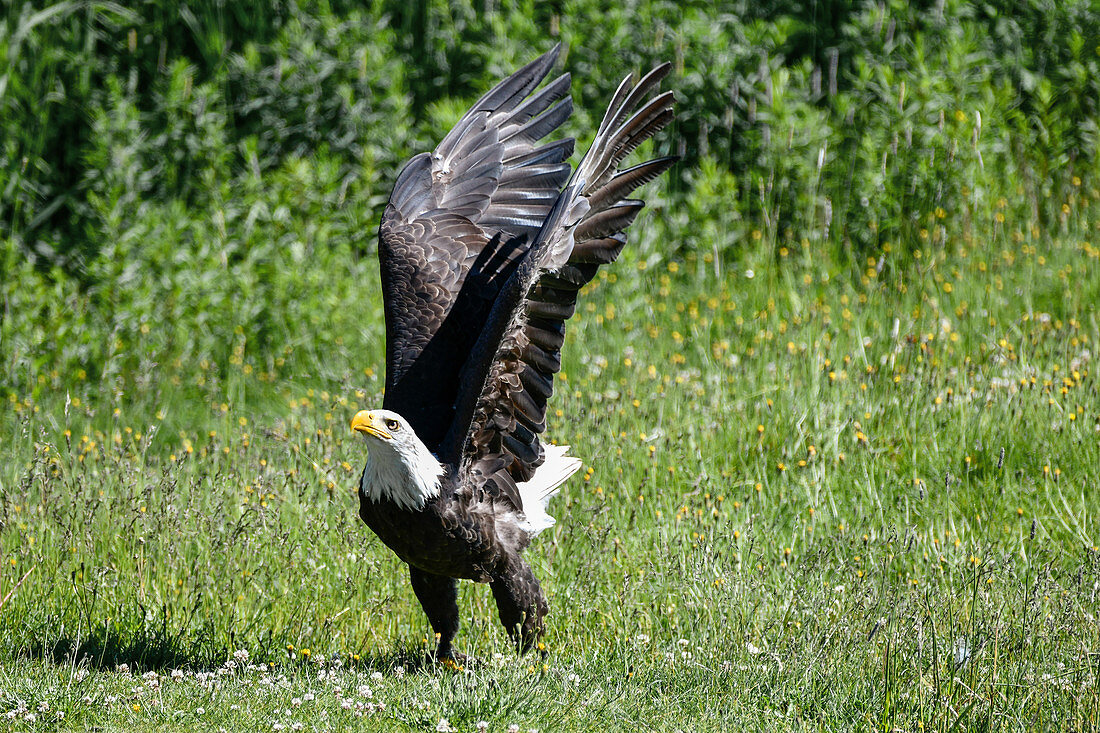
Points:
[(456, 224), (502, 408)]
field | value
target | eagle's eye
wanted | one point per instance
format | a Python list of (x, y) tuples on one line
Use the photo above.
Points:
[(392, 424)]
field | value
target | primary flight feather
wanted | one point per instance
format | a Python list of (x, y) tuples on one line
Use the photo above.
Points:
[(483, 247)]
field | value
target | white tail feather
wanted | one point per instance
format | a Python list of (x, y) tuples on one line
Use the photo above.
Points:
[(536, 493)]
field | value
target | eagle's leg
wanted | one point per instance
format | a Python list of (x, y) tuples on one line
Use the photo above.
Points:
[(438, 595), (520, 602)]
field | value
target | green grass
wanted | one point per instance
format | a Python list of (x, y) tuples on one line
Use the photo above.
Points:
[(836, 404), (815, 496)]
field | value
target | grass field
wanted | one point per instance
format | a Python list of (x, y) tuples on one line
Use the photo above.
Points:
[(812, 498), (837, 403)]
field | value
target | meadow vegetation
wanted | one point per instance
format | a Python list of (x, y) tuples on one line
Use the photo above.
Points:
[(836, 402)]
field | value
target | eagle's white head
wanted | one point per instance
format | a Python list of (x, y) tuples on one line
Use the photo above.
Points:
[(400, 468)]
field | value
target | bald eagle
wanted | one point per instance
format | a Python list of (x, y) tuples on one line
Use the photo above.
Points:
[(483, 247)]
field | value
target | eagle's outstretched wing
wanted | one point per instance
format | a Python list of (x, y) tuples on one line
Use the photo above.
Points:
[(501, 409), (456, 224)]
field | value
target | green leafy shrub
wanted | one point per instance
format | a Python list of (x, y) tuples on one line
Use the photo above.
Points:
[(174, 176)]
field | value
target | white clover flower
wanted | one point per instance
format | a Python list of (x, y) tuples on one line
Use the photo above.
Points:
[(241, 655), (308, 697), (277, 726), (199, 711), (87, 699), (177, 674), (234, 708), (364, 691), (376, 676), (513, 728), (30, 717), (482, 725), (399, 671), (443, 726), (123, 668), (43, 707), (60, 714), (296, 702), (296, 726)]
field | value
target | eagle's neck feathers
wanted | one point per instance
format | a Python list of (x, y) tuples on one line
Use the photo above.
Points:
[(405, 473)]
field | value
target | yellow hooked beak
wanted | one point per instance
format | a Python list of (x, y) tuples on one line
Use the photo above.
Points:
[(365, 422)]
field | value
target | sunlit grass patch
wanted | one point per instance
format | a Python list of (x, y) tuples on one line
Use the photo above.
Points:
[(824, 501)]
